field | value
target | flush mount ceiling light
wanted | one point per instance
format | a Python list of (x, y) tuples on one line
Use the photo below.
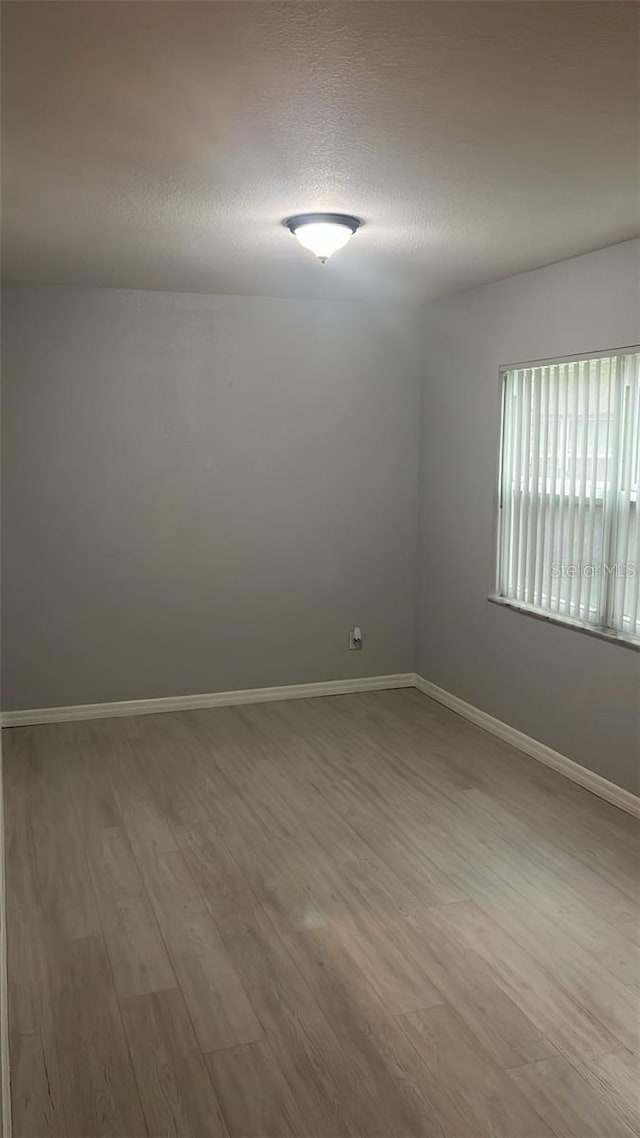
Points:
[(322, 233)]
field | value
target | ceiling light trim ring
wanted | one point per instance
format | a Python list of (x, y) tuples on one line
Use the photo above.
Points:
[(346, 219)]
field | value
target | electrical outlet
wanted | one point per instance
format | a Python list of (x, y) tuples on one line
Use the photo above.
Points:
[(355, 638)]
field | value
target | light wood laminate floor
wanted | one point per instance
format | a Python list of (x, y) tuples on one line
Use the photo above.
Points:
[(356, 915)]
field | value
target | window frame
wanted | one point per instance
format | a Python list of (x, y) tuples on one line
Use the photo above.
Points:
[(600, 632)]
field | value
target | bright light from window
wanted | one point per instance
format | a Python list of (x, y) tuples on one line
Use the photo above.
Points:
[(569, 510)]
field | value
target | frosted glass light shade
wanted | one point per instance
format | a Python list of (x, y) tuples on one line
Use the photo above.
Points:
[(323, 234)]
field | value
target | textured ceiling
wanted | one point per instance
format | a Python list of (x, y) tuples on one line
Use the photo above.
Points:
[(159, 145)]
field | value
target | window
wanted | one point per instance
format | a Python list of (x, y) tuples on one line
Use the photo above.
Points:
[(569, 517)]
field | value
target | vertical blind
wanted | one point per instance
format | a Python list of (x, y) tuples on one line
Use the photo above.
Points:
[(569, 519)]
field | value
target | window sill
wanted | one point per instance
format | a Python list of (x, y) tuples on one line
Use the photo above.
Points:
[(568, 622)]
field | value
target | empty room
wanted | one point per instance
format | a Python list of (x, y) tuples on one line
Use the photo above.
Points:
[(320, 413)]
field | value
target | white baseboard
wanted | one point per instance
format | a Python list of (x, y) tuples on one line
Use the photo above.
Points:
[(212, 699), (616, 795)]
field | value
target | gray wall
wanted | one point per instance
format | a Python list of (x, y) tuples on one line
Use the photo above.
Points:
[(573, 692), (204, 493)]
